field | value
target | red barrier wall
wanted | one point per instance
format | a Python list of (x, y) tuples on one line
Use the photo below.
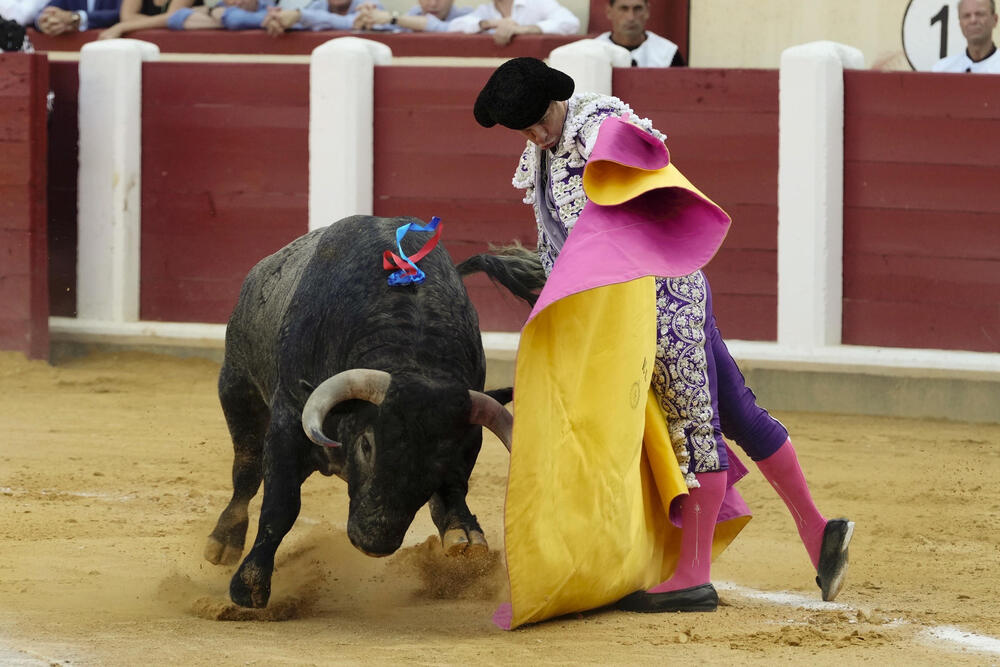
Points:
[(722, 132), (921, 211), (24, 312), (225, 180), (225, 183)]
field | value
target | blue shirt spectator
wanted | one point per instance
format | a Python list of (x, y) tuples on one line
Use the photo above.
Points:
[(317, 15), (426, 16), (232, 14)]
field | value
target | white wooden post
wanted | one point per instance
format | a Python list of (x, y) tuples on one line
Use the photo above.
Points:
[(810, 192), (109, 180), (341, 128), (588, 62)]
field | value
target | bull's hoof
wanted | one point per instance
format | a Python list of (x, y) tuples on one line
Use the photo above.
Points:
[(218, 553), (457, 542), (250, 586)]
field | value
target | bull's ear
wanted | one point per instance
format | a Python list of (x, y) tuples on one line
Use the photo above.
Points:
[(502, 396), (306, 386)]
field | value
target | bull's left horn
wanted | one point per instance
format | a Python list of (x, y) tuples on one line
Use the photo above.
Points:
[(358, 383), (487, 411)]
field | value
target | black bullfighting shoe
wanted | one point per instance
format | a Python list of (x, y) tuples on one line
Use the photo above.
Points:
[(833, 557), (695, 598)]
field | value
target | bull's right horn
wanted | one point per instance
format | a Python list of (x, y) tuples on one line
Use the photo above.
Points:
[(358, 383), (487, 411)]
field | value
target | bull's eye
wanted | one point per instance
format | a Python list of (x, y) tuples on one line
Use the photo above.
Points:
[(367, 448)]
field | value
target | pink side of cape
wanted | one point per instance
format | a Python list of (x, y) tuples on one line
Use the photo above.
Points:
[(667, 231)]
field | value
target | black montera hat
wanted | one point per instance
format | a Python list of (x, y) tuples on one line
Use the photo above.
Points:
[(518, 93)]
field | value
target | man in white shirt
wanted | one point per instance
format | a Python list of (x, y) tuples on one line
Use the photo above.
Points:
[(978, 19), (508, 18), (628, 29)]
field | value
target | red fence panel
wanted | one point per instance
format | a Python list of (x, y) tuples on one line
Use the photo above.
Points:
[(722, 132), (434, 159), (24, 308), (225, 180), (921, 211)]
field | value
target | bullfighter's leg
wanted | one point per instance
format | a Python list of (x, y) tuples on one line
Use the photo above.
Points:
[(458, 527), (766, 441), (247, 416), (285, 441)]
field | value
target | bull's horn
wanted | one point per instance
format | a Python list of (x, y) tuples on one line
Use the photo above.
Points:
[(361, 383), (487, 411)]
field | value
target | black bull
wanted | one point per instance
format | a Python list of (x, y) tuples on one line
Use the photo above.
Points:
[(329, 368)]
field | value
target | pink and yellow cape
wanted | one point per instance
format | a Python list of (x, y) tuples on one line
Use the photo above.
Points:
[(592, 470)]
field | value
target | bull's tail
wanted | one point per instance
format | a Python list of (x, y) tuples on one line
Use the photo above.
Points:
[(514, 267)]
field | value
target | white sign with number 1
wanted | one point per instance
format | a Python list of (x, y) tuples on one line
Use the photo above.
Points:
[(931, 32)]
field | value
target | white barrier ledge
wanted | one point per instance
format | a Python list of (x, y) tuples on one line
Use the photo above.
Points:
[(341, 128), (138, 333), (503, 346), (891, 361)]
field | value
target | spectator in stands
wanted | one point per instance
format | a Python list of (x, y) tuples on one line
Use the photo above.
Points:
[(232, 14), (62, 16), (317, 15), (978, 20), (506, 19), (144, 15), (22, 12), (426, 16), (628, 29)]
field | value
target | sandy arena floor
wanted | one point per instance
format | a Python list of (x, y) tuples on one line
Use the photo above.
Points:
[(113, 469)]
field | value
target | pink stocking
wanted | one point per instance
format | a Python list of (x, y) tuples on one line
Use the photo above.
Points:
[(699, 511), (782, 470)]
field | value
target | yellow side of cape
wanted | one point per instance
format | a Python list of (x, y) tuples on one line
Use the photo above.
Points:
[(592, 470)]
